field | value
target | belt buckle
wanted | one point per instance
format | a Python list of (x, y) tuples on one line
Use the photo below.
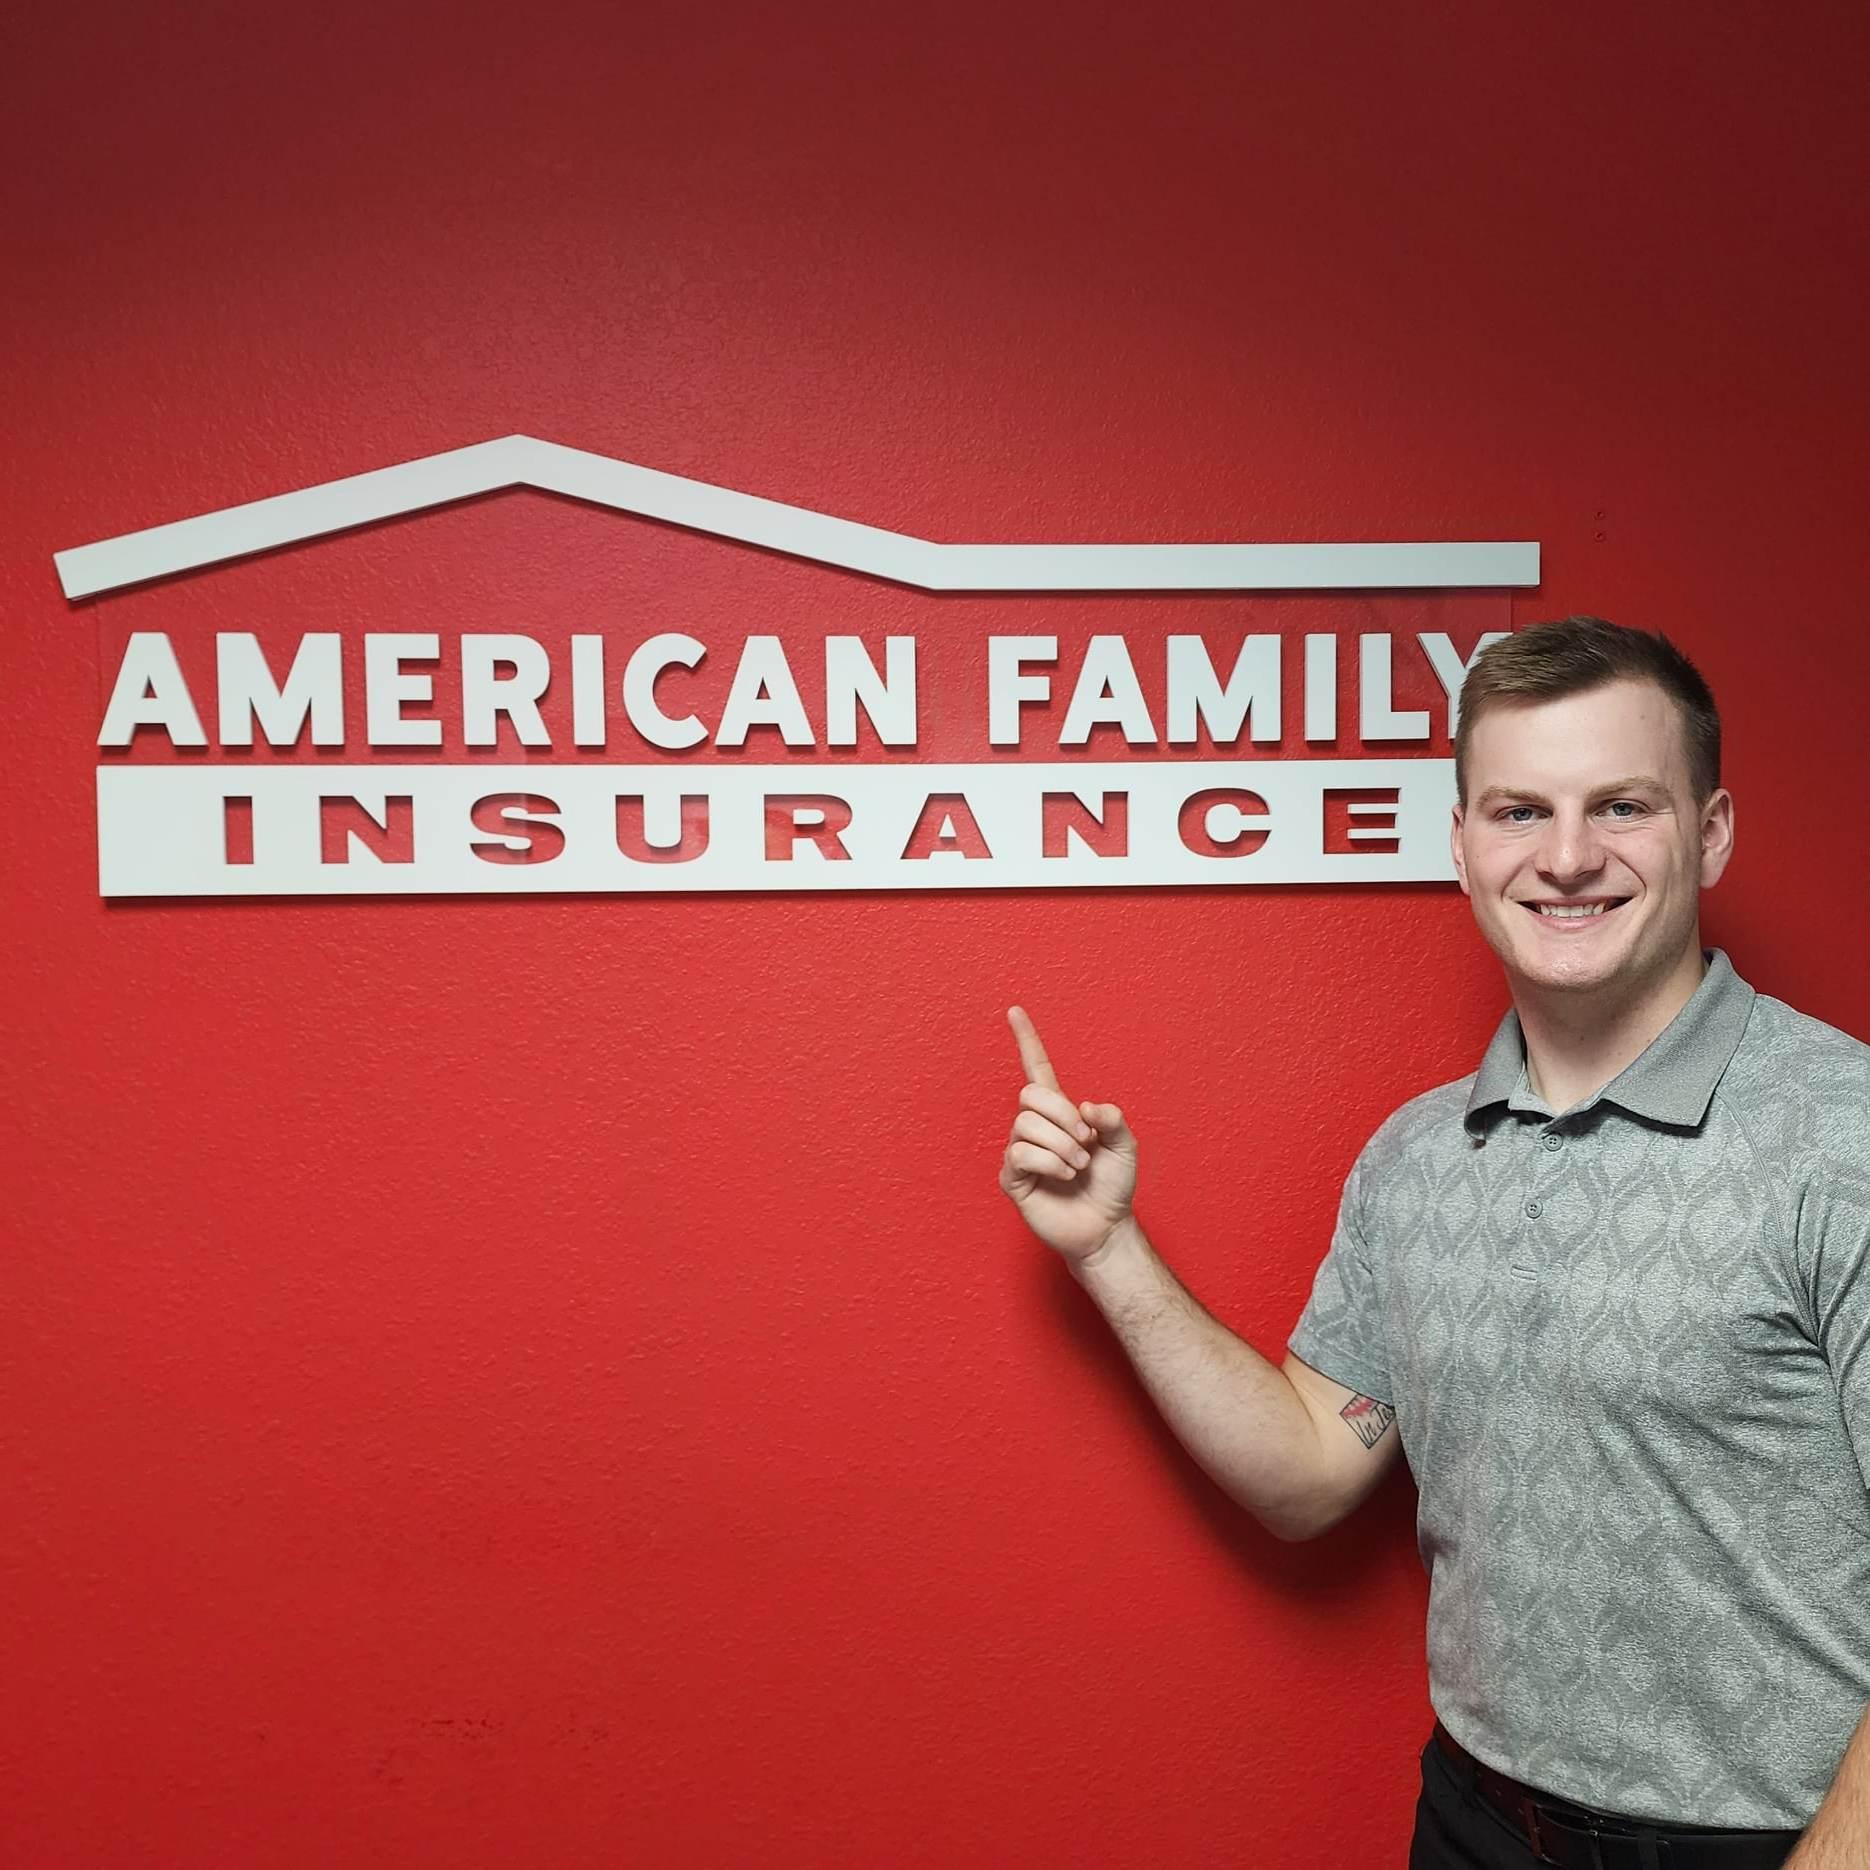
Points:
[(1536, 1838), (1590, 1830)]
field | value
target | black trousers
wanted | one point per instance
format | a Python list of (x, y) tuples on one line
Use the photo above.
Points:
[(1455, 1829)]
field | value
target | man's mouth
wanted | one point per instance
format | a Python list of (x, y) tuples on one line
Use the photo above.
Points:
[(1578, 911)]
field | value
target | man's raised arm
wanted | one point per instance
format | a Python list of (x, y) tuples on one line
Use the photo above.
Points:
[(1296, 1449)]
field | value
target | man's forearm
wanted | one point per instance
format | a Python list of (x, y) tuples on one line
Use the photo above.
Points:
[(1237, 1414), (1838, 1838)]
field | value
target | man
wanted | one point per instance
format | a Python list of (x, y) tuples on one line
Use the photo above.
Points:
[(1610, 1296)]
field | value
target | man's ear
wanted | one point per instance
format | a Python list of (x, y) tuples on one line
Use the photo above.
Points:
[(1460, 856), (1717, 835)]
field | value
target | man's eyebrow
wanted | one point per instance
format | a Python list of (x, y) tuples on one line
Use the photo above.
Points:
[(1637, 782)]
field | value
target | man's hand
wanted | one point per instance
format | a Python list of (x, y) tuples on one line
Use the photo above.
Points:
[(1069, 1168)]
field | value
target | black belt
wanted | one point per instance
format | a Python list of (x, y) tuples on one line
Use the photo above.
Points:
[(1560, 1832)]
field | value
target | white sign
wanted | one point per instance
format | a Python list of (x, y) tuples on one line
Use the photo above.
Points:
[(291, 828), (398, 830)]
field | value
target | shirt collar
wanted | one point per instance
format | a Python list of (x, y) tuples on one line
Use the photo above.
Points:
[(1670, 1081)]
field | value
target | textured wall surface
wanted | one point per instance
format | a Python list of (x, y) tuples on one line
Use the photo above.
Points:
[(549, 1382)]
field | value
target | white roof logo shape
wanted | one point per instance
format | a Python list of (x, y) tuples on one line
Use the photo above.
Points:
[(522, 461)]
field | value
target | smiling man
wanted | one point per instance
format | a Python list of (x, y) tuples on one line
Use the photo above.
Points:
[(1609, 1296)]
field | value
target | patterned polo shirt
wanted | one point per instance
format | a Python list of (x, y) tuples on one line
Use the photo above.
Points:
[(1628, 1345)]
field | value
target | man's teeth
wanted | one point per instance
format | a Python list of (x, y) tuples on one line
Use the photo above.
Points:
[(1572, 909)]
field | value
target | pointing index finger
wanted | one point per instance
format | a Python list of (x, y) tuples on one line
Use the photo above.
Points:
[(1031, 1052)]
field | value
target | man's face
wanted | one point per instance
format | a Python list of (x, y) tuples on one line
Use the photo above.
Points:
[(1581, 845)]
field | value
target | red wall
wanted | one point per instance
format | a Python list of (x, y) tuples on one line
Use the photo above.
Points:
[(552, 1381)]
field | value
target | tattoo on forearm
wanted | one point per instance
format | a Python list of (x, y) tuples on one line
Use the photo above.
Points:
[(1368, 1417)]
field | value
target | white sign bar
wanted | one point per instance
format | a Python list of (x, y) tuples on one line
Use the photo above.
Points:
[(389, 830), (524, 461)]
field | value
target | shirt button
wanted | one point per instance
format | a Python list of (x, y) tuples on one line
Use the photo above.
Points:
[(1551, 1140), (1534, 1209)]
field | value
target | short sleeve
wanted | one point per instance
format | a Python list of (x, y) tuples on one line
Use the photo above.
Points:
[(1340, 1332)]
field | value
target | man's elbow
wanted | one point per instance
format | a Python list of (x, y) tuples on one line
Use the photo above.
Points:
[(1296, 1524)]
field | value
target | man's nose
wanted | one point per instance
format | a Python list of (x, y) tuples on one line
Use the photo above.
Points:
[(1572, 848)]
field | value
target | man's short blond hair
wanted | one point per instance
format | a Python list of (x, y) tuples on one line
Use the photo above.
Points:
[(1549, 660)]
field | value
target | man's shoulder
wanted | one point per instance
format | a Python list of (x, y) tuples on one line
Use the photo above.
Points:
[(1802, 1086), (1428, 1122), (1783, 1043)]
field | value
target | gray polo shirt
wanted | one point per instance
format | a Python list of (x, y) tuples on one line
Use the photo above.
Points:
[(1629, 1350)]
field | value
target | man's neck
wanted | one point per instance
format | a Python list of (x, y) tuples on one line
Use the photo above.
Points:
[(1576, 1043)]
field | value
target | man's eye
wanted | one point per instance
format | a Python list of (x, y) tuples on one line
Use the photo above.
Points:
[(1624, 808), (1518, 815)]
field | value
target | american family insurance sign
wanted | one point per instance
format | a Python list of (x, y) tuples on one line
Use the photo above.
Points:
[(431, 808)]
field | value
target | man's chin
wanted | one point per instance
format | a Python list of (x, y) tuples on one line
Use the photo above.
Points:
[(1535, 967), (1563, 978)]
